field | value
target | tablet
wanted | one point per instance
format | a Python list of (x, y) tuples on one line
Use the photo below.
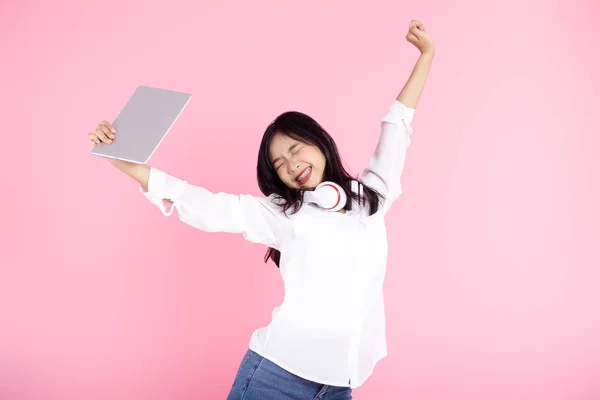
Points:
[(143, 124)]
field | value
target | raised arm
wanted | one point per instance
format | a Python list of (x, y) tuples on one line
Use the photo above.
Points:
[(387, 163), (413, 88), (258, 219)]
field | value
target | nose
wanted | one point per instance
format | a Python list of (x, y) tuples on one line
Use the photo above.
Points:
[(294, 167)]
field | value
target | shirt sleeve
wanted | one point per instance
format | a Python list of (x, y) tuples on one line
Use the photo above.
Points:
[(387, 163), (258, 219)]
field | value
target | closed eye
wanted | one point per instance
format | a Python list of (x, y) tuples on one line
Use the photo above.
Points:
[(296, 151)]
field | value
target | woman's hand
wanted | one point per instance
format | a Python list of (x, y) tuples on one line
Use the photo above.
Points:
[(105, 133), (417, 37)]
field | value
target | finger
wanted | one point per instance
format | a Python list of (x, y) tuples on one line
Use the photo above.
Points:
[(92, 144), (93, 138), (417, 24), (107, 132), (101, 135), (419, 33), (109, 125), (415, 31), (107, 129)]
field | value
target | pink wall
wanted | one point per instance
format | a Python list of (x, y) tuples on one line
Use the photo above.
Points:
[(491, 290)]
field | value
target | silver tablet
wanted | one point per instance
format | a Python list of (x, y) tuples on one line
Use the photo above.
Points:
[(143, 124)]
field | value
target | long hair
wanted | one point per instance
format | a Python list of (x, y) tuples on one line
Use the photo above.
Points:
[(305, 129)]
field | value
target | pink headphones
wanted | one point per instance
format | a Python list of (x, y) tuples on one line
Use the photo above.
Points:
[(329, 196)]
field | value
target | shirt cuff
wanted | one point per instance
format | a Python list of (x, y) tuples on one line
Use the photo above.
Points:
[(399, 112), (162, 187), (165, 186), (165, 207)]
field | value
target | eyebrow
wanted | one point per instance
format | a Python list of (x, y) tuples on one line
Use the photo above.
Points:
[(292, 147)]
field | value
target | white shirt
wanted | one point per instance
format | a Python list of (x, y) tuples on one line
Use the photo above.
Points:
[(330, 327)]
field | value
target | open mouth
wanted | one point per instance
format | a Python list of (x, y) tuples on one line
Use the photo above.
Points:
[(304, 175)]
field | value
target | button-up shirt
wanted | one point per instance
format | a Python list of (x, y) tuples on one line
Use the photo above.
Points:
[(330, 326)]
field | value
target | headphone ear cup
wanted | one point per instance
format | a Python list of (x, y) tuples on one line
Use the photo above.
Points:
[(309, 196), (339, 197), (328, 195), (314, 196)]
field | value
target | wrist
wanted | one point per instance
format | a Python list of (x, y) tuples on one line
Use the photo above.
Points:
[(429, 53)]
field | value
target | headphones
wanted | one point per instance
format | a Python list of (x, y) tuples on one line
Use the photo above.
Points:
[(329, 196)]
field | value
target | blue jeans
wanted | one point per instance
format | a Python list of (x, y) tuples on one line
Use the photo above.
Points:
[(260, 379)]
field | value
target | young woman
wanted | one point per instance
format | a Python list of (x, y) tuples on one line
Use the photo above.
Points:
[(325, 231)]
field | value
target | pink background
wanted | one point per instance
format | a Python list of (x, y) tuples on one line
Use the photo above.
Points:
[(493, 268)]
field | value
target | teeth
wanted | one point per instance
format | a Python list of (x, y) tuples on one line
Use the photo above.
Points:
[(304, 174)]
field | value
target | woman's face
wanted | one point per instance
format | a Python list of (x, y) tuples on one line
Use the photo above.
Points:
[(298, 165)]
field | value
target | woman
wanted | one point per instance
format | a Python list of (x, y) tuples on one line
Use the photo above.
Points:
[(329, 332)]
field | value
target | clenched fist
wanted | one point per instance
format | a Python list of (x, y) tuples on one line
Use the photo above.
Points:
[(417, 37)]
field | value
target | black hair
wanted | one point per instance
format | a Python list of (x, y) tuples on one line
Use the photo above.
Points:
[(305, 129)]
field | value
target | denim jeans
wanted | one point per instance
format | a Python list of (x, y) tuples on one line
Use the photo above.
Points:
[(260, 379)]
